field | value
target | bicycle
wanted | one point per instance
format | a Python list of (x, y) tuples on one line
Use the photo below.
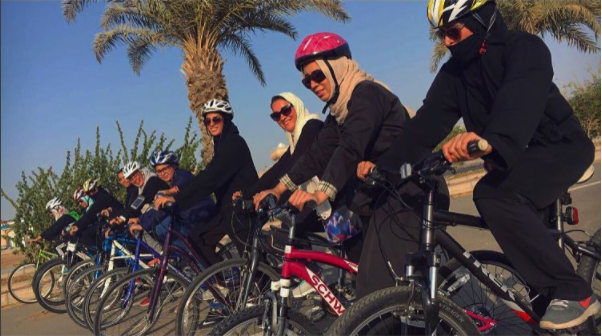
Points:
[(274, 315), (417, 305), (50, 276), (492, 315), (163, 285), (240, 282), (20, 279), (114, 251)]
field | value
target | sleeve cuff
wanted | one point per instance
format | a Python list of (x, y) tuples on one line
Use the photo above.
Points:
[(288, 183), (328, 189)]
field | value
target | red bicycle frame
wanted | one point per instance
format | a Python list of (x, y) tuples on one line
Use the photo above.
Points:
[(294, 265)]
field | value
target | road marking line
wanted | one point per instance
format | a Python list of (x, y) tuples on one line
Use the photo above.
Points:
[(584, 186)]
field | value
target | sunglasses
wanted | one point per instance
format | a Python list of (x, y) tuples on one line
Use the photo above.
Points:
[(317, 77), (285, 111), (216, 120), (453, 32)]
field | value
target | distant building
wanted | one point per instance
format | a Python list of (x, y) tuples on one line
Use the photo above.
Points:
[(277, 153), (7, 234)]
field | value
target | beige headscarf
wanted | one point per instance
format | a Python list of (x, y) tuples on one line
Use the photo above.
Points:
[(303, 116), (348, 74)]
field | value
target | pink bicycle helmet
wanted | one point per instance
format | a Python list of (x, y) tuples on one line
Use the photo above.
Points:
[(321, 45)]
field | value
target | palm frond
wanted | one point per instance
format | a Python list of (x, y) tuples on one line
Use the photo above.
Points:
[(73, 7), (439, 52), (241, 46), (141, 47)]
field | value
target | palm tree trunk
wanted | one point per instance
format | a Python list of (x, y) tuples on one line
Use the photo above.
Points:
[(203, 68)]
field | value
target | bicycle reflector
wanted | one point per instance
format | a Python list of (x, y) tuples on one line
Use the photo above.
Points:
[(571, 215)]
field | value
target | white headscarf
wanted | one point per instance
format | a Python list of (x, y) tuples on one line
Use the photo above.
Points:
[(59, 211), (303, 116)]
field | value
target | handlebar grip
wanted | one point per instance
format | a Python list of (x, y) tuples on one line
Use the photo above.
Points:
[(477, 146), (310, 205)]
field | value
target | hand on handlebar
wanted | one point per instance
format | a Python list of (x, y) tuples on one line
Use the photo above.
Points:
[(261, 195), (106, 212), (161, 201), (300, 198), (135, 228), (456, 149), (134, 221), (73, 230), (35, 240), (236, 195), (363, 169), (116, 221)]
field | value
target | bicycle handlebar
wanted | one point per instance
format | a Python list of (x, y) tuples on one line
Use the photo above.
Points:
[(432, 164)]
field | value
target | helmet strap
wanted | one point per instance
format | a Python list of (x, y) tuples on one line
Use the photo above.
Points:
[(335, 95), (483, 49)]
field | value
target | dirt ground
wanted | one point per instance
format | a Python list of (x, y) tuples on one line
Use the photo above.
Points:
[(9, 259)]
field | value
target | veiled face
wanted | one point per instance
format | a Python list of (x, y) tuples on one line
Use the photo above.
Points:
[(287, 123)]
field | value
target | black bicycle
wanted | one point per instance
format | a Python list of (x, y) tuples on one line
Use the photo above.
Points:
[(419, 305)]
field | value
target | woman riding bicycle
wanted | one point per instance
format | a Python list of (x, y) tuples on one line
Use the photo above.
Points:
[(500, 83), (301, 129), (365, 117), (230, 170), (166, 166), (63, 218), (97, 199)]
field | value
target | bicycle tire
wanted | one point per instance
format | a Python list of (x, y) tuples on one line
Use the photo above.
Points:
[(397, 302), (75, 293), (74, 272), (55, 300), (470, 294), (253, 316), (143, 282), (589, 269), (95, 293), (194, 303), (20, 283)]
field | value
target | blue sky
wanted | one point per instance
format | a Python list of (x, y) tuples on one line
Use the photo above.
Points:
[(54, 91)]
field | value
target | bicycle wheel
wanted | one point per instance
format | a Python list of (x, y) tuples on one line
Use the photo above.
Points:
[(122, 311), (398, 311), (488, 311), (200, 308), (75, 271), (251, 321), (48, 285), (76, 291), (20, 283), (97, 290), (589, 269)]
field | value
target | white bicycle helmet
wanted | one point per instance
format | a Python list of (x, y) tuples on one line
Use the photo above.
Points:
[(130, 168), (217, 105), (164, 157), (53, 203)]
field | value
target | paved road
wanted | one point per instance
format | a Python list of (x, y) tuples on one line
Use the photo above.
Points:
[(586, 197), (33, 320)]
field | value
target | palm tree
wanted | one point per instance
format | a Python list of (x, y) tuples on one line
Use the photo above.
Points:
[(565, 21), (202, 29)]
